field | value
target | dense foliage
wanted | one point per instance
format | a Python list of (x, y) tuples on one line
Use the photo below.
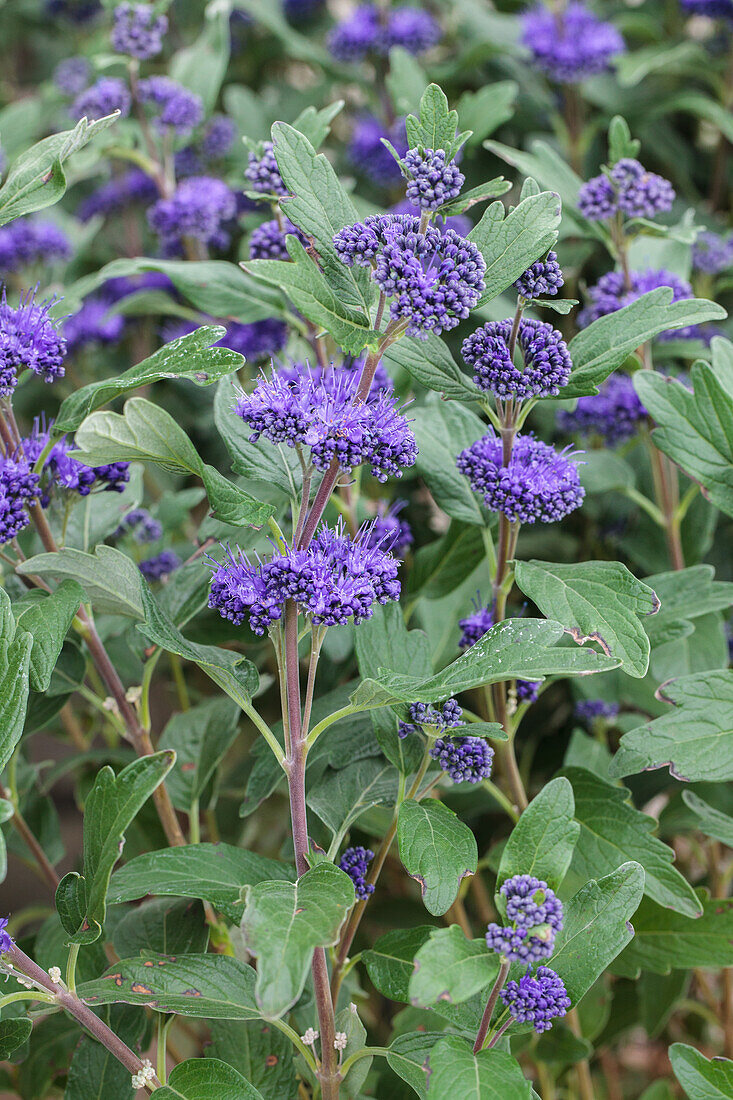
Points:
[(366, 497)]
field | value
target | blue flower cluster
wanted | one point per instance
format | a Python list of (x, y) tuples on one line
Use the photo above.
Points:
[(19, 487), (611, 292), (321, 413), (102, 98), (464, 759), (539, 483), (138, 30), (141, 525), (369, 30), (71, 75), (547, 362), (431, 179), (61, 471), (267, 241), (177, 109), (388, 526), (6, 940), (198, 208), (355, 862), (335, 579), (571, 43), (29, 241), (528, 691), (475, 625), (544, 277), (712, 252), (159, 566), (588, 710), (713, 9), (613, 413), (370, 156), (93, 323), (449, 716), (627, 189), (433, 278), (263, 174), (29, 339), (536, 999), (535, 916), (113, 196)]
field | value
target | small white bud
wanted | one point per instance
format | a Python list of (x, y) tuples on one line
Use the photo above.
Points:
[(340, 1041), (111, 705), (133, 694), (54, 973), (144, 1075), (511, 701), (310, 1037)]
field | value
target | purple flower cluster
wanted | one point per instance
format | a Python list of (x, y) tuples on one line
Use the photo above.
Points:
[(713, 9), (61, 471), (198, 208), (263, 173), (464, 759), (218, 137), (300, 11), (547, 362), (6, 940), (474, 626), (122, 191), (93, 324), (588, 710), (355, 862), (535, 915), (537, 999), (544, 277), (433, 278), (431, 179), (177, 109), (611, 293), (19, 486), (449, 716), (370, 156), (527, 691), (29, 339), (570, 44), (369, 31), (628, 189), (154, 569), (27, 241), (389, 527), (267, 241), (336, 578), (613, 413), (322, 414), (539, 483), (138, 30), (107, 95), (141, 525), (712, 252), (71, 75)]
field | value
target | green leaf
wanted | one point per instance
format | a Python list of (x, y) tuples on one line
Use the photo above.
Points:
[(37, 178), (431, 364), (695, 740), (207, 1079), (441, 431), (201, 67), (486, 110), (310, 292), (408, 1057), (451, 968), (191, 357), (212, 872), (436, 126), (170, 927), (666, 940), (710, 821), (700, 1077), (405, 81), (454, 1070), (200, 737), (297, 46), (597, 601), (13, 1033), (233, 673), (342, 796), (437, 849), (613, 830), (444, 564), (147, 433), (515, 648), (605, 344), (511, 244), (316, 125), (596, 928), (283, 923), (694, 429), (390, 962), (48, 621), (215, 987), (620, 142), (560, 1046), (542, 841), (348, 1022), (320, 207), (685, 595), (110, 807), (110, 579), (16, 647), (261, 1053), (95, 1072)]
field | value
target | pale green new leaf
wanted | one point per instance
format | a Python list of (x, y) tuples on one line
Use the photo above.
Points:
[(437, 849), (451, 968), (283, 923), (597, 601), (542, 841), (436, 126), (695, 740), (511, 244)]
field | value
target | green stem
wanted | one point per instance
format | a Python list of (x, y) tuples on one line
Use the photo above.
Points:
[(296, 1040), (163, 1027), (497, 794), (22, 995), (71, 967), (194, 822), (365, 1052)]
